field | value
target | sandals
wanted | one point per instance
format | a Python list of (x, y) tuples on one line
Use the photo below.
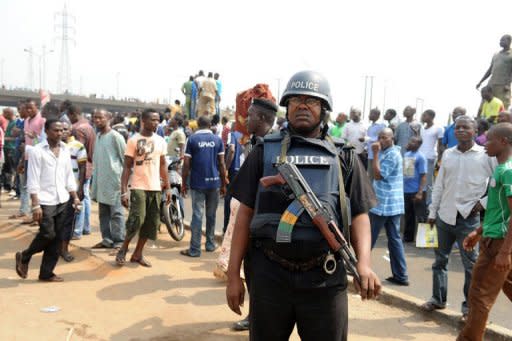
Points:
[(430, 306), (17, 216), (187, 253), (142, 261), (121, 257), (27, 221), (100, 245)]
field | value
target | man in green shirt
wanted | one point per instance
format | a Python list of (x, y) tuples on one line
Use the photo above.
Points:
[(339, 125), (186, 89), (492, 270), (177, 138), (108, 159)]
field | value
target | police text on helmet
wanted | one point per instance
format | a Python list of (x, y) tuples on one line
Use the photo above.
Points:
[(305, 85)]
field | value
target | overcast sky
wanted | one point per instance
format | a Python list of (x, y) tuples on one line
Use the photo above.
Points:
[(433, 50)]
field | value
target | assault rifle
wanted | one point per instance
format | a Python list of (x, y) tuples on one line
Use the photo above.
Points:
[(290, 176)]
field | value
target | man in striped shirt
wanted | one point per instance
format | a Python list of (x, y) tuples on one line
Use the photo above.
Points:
[(389, 188), (78, 163)]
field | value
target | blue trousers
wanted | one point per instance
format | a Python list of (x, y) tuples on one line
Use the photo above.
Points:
[(112, 224), (24, 196), (395, 246), (447, 235), (200, 199), (83, 222)]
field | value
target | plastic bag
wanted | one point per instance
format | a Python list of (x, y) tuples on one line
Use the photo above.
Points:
[(426, 236)]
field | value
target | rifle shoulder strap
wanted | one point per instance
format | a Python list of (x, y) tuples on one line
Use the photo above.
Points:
[(285, 145), (343, 197)]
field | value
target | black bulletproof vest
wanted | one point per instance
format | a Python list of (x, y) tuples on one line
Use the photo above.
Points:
[(316, 159)]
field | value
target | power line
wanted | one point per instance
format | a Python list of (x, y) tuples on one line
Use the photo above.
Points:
[(42, 66), (67, 33), (30, 68), (365, 91)]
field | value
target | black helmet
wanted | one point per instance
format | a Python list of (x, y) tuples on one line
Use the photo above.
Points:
[(308, 83)]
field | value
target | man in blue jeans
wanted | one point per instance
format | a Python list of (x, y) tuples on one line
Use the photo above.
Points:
[(204, 161), (456, 206), (84, 133), (389, 189)]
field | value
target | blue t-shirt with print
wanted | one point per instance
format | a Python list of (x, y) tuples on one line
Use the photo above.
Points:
[(204, 147), (415, 165)]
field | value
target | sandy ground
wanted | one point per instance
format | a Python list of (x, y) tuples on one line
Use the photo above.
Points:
[(177, 299)]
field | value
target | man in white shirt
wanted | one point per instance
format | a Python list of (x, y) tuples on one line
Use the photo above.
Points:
[(355, 133), (50, 184), (432, 136), (457, 203), (199, 79)]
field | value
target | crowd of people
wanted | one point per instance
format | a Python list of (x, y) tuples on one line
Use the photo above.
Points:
[(202, 94), (385, 174)]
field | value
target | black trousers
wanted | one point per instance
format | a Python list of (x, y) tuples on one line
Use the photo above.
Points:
[(415, 212), (47, 239), (277, 304), (9, 168), (66, 232), (227, 202)]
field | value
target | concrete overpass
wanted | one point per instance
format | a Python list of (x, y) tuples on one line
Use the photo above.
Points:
[(88, 104)]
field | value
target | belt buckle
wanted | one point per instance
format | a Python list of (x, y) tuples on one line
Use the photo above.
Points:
[(330, 264)]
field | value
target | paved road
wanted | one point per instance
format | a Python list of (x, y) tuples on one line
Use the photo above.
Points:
[(419, 262)]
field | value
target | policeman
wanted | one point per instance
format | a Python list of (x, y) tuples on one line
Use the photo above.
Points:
[(289, 283)]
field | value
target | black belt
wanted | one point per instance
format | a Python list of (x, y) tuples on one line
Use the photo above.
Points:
[(288, 264), (295, 266)]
